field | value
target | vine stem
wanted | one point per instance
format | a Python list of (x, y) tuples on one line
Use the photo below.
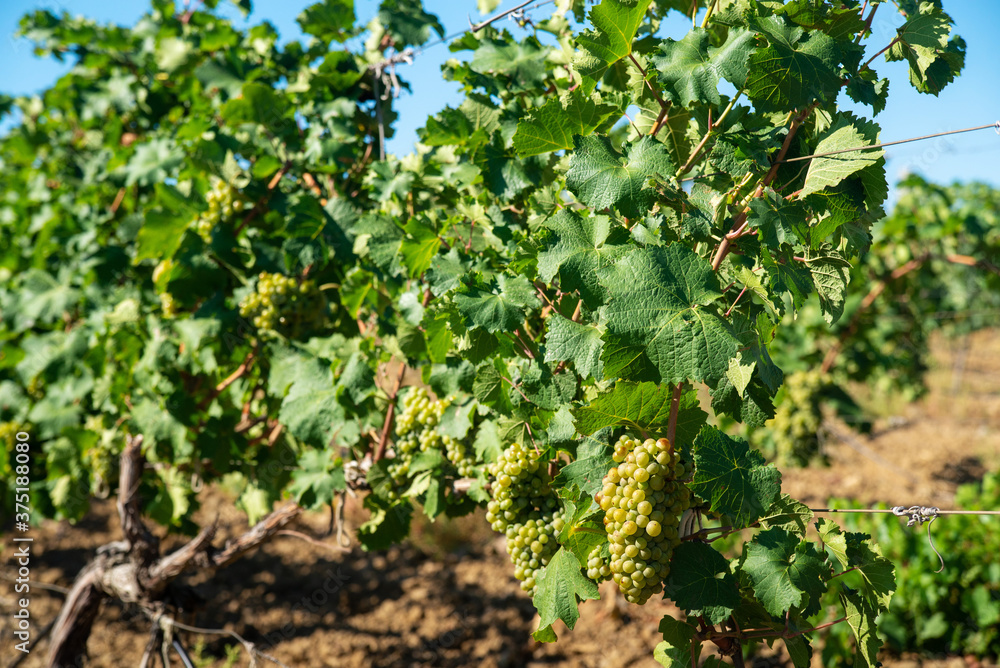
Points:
[(689, 163), (675, 404), (656, 93), (390, 416), (738, 297), (739, 224), (708, 14), (868, 23), (887, 47), (231, 378)]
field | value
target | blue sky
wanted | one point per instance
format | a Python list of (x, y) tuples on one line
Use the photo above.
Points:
[(974, 99)]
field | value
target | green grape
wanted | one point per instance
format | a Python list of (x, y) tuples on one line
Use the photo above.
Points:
[(598, 569), (524, 509), (416, 432), (642, 499), (223, 201), (797, 419), (168, 306), (8, 430), (282, 304)]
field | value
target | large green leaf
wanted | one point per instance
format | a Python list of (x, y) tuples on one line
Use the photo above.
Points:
[(584, 246), (847, 131), (701, 583), (602, 178), (642, 407), (734, 479), (499, 307), (561, 586), (661, 309), (690, 69), (616, 23), (552, 126), (794, 69), (573, 342), (785, 572)]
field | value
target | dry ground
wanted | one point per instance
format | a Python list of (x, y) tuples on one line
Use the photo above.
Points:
[(448, 597)]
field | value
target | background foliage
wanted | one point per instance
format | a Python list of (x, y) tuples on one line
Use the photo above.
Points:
[(205, 243)]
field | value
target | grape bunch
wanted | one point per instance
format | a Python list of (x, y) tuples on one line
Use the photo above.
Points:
[(168, 305), (416, 432), (598, 568), (524, 509), (223, 202), (642, 499), (280, 303), (797, 419)]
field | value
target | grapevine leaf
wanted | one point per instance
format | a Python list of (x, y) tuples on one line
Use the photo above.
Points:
[(924, 42), (582, 531), (551, 127), (593, 459), (488, 445), (257, 104), (42, 298), (857, 551), (616, 23), (788, 514), (830, 274), (560, 586), (785, 572), (788, 276), (642, 407), (420, 247), (573, 342), (503, 172), (861, 616), (328, 20), (490, 387), (793, 70), (733, 478), (847, 131), (584, 247), (522, 61), (153, 161), (386, 525), (660, 311), (457, 420), (690, 69), (407, 22), (775, 219), (701, 583), (315, 480), (799, 651), (310, 410), (602, 178), (472, 123), (867, 88), (740, 374), (676, 649), (500, 307)]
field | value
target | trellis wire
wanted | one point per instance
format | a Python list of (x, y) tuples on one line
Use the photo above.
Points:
[(995, 125), (917, 515)]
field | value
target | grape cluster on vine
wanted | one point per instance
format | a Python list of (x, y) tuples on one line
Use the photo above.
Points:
[(223, 201), (524, 509), (643, 499), (798, 417), (282, 304), (416, 432)]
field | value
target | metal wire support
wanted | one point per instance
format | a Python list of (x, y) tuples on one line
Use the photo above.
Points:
[(917, 514)]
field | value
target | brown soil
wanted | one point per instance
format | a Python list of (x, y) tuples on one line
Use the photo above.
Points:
[(448, 598)]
